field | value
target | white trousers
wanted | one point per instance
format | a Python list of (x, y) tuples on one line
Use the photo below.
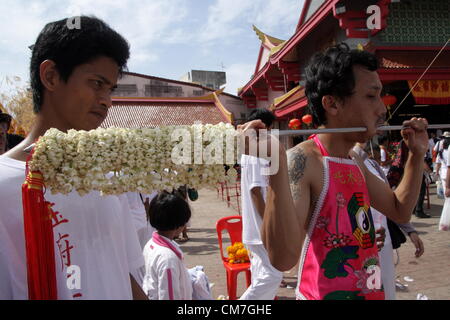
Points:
[(386, 257), (444, 222), (265, 278), (388, 268)]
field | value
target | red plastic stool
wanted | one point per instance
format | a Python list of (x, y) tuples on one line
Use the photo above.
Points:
[(233, 225)]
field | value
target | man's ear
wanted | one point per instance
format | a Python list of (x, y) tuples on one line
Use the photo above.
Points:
[(49, 75), (329, 103)]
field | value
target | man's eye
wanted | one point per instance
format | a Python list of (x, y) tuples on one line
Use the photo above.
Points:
[(97, 84)]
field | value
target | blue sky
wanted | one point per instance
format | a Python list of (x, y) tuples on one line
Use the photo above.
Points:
[(167, 37)]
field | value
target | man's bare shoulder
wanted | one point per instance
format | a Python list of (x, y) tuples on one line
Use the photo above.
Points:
[(305, 169), (303, 159), (307, 149)]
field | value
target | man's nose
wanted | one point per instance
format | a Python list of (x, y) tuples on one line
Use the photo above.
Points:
[(382, 109), (105, 100)]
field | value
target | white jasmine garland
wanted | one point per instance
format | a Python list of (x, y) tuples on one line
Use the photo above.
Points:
[(117, 160)]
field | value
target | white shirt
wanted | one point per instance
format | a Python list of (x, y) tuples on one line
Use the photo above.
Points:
[(166, 276), (448, 158), (137, 210), (92, 232), (444, 161), (383, 158), (251, 177)]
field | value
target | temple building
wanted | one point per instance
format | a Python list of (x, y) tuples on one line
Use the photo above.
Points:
[(406, 36)]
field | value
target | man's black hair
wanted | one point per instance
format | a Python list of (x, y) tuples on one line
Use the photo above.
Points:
[(266, 116), (331, 73), (168, 212), (68, 47)]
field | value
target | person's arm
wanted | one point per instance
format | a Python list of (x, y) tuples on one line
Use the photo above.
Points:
[(447, 181), (399, 204), (409, 229), (438, 167), (283, 230), (168, 283), (138, 293), (406, 227), (258, 200), (415, 239)]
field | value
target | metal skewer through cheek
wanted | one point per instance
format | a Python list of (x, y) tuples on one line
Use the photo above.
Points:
[(350, 130)]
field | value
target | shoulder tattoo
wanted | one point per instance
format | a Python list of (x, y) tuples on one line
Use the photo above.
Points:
[(296, 169), (296, 165)]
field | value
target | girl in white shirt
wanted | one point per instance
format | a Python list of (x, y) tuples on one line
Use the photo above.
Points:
[(443, 162), (166, 276)]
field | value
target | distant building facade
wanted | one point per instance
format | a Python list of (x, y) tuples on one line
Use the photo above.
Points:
[(209, 79), (135, 85)]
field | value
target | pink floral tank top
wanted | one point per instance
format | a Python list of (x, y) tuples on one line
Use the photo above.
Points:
[(339, 259)]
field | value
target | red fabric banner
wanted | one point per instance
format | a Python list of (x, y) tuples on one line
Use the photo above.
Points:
[(431, 91)]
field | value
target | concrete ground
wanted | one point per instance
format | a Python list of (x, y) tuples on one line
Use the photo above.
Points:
[(430, 274)]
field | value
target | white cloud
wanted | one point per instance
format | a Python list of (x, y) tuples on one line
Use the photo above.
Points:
[(279, 14), (19, 24), (142, 23), (221, 19), (178, 36), (233, 18), (238, 74), (141, 58), (229, 27), (210, 31)]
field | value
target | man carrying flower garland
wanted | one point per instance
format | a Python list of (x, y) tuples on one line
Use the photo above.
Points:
[(73, 72), (327, 222)]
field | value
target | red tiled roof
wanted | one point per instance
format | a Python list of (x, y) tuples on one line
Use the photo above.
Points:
[(140, 114)]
